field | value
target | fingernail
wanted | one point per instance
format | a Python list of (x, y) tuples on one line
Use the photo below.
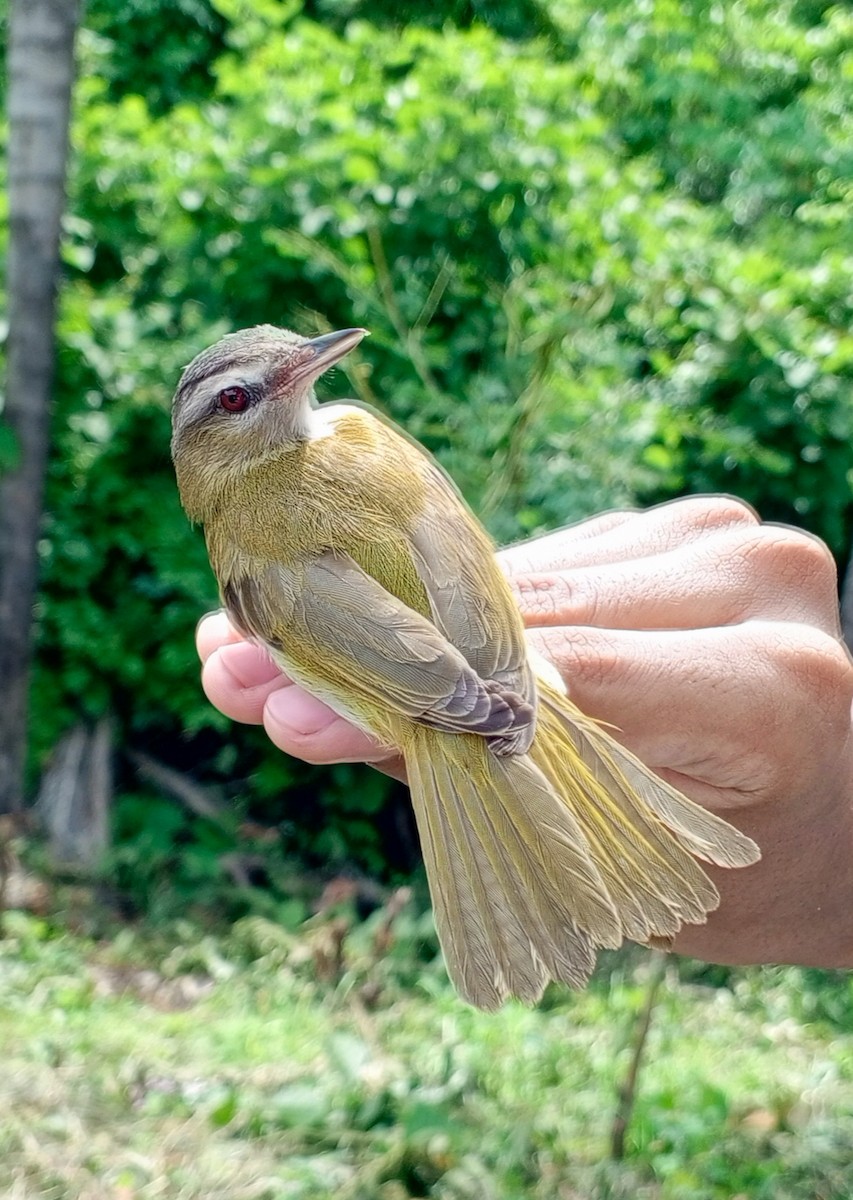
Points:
[(214, 612), (298, 712), (249, 664)]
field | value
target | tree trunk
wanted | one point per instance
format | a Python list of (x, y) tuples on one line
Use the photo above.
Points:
[(41, 72), (76, 796)]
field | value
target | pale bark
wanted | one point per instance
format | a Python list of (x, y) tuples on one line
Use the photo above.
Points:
[(41, 70), (75, 798)]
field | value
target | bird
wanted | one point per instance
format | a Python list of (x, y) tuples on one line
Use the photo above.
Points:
[(342, 546)]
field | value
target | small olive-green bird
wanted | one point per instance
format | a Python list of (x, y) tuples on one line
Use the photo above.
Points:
[(341, 546)]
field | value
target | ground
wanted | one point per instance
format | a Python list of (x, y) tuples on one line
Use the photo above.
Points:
[(259, 1064)]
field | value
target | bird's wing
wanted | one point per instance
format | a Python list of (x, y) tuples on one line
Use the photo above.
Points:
[(470, 599), (333, 623)]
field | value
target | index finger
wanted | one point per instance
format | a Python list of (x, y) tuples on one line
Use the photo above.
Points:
[(623, 536)]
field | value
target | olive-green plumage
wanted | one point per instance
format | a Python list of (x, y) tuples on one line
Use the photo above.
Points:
[(341, 545)]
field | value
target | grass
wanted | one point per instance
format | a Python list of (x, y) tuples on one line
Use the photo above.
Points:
[(175, 1064)]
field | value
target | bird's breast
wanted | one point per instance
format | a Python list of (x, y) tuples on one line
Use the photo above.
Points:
[(356, 490)]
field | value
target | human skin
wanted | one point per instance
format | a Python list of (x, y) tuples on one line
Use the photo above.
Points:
[(711, 643)]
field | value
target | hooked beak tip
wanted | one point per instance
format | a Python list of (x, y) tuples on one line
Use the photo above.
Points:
[(330, 348)]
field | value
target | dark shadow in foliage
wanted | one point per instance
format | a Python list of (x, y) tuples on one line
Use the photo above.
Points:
[(188, 36), (513, 19)]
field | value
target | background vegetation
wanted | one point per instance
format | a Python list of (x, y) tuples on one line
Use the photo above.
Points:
[(605, 255), (242, 1068)]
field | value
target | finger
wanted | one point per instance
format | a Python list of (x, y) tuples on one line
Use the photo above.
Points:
[(244, 683), (638, 535), (238, 677), (214, 630), (748, 710), (532, 552), (305, 727), (738, 573)]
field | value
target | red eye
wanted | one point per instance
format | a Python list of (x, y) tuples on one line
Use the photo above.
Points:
[(234, 399)]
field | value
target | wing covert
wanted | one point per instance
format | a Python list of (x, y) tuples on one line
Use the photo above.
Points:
[(471, 601), (333, 622)]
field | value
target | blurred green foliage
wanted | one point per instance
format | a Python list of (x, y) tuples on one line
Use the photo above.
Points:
[(604, 253)]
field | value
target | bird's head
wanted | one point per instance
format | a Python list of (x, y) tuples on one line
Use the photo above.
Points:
[(248, 396)]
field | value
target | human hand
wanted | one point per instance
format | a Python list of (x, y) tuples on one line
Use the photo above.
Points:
[(710, 642)]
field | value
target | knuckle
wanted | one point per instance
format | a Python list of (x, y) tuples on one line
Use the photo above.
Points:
[(796, 572), (548, 599), (816, 665), (793, 557), (515, 561), (535, 597), (602, 523), (708, 514), (802, 707)]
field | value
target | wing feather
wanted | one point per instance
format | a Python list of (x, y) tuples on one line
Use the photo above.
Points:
[(332, 623), (471, 601)]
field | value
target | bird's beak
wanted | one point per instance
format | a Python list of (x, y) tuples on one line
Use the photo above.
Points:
[(324, 351)]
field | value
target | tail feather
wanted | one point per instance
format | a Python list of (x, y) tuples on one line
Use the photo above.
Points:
[(704, 834), (709, 837), (656, 886), (463, 932), (642, 832), (506, 894), (535, 860), (544, 848)]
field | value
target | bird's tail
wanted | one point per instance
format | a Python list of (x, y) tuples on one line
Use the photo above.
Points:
[(534, 861)]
